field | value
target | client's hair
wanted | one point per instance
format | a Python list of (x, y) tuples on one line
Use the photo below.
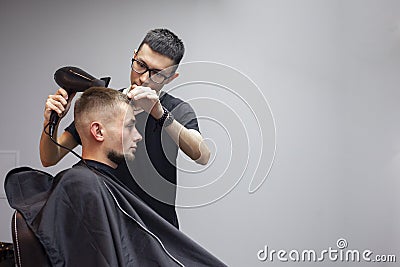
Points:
[(98, 103)]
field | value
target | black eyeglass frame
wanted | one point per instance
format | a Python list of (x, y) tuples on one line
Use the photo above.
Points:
[(147, 69)]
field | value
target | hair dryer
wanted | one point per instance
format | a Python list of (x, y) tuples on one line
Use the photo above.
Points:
[(72, 80)]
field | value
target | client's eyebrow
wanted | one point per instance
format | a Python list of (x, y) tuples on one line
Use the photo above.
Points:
[(131, 121)]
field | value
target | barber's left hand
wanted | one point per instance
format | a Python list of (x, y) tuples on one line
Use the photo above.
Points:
[(147, 99)]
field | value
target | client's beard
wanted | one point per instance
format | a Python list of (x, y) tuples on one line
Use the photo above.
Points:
[(119, 158)]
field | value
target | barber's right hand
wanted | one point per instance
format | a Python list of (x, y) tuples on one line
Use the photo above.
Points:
[(60, 102)]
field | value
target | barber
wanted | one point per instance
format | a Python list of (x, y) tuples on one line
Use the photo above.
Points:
[(166, 123)]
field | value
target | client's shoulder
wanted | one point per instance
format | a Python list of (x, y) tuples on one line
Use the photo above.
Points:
[(79, 175)]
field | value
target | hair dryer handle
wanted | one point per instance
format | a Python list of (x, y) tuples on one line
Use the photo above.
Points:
[(54, 118)]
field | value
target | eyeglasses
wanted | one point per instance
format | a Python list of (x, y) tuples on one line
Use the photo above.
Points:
[(155, 75)]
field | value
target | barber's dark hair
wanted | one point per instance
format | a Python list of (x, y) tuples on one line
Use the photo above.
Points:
[(166, 43)]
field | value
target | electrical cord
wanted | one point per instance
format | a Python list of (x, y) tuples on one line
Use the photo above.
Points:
[(58, 144)]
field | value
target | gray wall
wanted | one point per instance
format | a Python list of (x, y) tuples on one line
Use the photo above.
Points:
[(329, 71)]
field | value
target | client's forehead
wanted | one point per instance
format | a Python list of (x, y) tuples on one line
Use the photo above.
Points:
[(126, 110), (130, 112)]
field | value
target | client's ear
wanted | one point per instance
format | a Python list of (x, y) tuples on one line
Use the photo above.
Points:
[(96, 130)]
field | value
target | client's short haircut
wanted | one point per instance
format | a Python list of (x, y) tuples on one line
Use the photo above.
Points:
[(98, 103)]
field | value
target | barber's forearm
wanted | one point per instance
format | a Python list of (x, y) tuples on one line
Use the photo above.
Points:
[(50, 153), (190, 142)]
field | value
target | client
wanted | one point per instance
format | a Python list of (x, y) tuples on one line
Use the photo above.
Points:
[(84, 216)]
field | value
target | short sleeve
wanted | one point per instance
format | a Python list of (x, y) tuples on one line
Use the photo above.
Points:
[(72, 130), (186, 116)]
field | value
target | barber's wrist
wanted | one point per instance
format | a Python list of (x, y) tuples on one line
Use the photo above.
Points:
[(157, 112), (166, 119)]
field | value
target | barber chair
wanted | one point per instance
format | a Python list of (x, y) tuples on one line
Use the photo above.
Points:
[(28, 250)]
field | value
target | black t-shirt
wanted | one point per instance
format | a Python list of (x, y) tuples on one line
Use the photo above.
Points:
[(152, 175)]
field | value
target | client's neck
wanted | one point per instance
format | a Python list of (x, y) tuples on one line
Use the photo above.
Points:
[(98, 156)]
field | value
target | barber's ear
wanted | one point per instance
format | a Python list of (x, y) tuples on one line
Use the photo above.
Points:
[(96, 129), (170, 79)]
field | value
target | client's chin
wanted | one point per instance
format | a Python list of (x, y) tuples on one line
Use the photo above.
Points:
[(119, 158)]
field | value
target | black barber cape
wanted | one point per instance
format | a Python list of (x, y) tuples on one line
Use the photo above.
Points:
[(85, 217)]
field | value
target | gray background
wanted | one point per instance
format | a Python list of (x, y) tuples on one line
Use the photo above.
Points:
[(330, 73)]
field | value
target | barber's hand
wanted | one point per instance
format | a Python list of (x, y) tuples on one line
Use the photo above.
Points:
[(147, 99), (60, 102)]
